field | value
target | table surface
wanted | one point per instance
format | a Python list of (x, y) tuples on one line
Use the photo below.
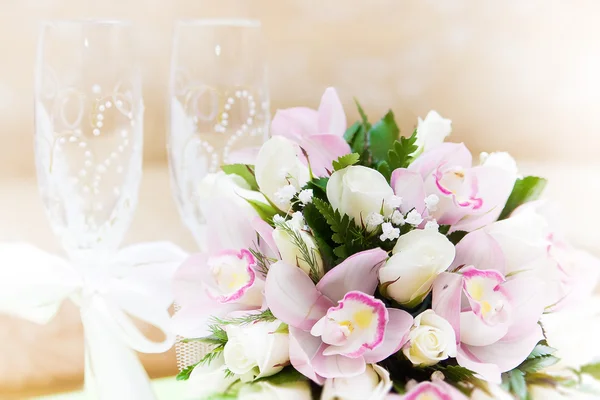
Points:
[(165, 389)]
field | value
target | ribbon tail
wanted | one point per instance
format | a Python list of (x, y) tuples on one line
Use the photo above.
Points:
[(112, 368)]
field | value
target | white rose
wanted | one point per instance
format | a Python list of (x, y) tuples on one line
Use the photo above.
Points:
[(373, 384), (267, 391), (430, 340), (208, 379), (359, 191), (432, 131), (418, 258), (279, 172), (256, 350), (286, 238)]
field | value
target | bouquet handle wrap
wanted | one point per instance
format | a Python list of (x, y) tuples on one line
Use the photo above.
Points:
[(135, 284)]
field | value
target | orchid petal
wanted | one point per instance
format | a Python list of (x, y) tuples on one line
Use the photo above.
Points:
[(303, 347), (487, 371), (338, 366), (331, 116), (396, 334), (228, 224), (292, 297), (507, 355), (323, 150), (265, 232), (447, 290), (188, 280), (410, 187), (452, 154), (358, 272), (479, 249), (526, 295), (475, 332), (294, 123)]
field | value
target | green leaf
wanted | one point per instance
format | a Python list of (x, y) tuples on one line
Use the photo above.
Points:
[(517, 384), (382, 136), (456, 236), (265, 211), (351, 132), (286, 375), (538, 363), (221, 397), (384, 169), (541, 349), (184, 375), (359, 145), (591, 369), (399, 156), (363, 115), (460, 375), (526, 189), (243, 170), (346, 161)]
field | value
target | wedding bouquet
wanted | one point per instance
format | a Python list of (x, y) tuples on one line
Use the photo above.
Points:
[(353, 263)]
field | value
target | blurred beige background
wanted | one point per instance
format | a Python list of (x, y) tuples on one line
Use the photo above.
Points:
[(519, 75)]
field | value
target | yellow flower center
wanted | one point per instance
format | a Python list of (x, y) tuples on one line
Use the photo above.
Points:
[(363, 318)]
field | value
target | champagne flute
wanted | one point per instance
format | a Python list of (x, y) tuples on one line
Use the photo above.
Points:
[(219, 105), (88, 143)]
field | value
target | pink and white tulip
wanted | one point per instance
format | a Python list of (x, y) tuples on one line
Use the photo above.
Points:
[(319, 132), (495, 318), (469, 196), (336, 327)]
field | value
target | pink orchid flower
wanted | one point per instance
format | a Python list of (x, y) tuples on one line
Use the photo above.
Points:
[(469, 196), (434, 390), (319, 132), (495, 318), (337, 326), (224, 279)]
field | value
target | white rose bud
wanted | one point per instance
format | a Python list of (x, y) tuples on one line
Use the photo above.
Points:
[(256, 350), (287, 236), (373, 384), (419, 256), (299, 390), (277, 168), (432, 131), (359, 191), (431, 339)]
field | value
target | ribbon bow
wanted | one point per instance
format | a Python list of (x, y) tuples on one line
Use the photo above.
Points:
[(136, 282)]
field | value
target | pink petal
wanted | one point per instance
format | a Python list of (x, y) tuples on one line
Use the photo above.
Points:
[(507, 355), (494, 185), (338, 366), (481, 250), (188, 280), (409, 185), (447, 290), (527, 301), (450, 154), (303, 348), (228, 226), (487, 371), (294, 123), (322, 150), (292, 297), (357, 273), (332, 118), (192, 321), (475, 332), (396, 334), (265, 232)]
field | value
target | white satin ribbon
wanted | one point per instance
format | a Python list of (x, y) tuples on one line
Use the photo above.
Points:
[(136, 282)]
